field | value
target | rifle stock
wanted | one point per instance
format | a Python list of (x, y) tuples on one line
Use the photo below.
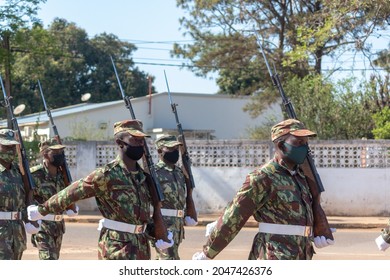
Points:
[(160, 231), (185, 158), (22, 155), (321, 225)]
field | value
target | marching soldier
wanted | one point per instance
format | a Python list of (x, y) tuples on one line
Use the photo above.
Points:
[(48, 179), (173, 185), (279, 198), (12, 201), (122, 196)]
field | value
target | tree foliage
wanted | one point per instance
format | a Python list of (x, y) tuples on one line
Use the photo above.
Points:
[(296, 36), (69, 64), (299, 33), (382, 124)]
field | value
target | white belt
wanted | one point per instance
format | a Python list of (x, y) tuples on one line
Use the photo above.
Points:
[(51, 217), (10, 215), (125, 227), (172, 212), (285, 229)]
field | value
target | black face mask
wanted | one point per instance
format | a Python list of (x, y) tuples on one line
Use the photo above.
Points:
[(134, 152), (171, 157), (58, 160)]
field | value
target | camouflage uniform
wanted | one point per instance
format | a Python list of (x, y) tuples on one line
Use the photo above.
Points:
[(174, 188), (12, 198), (49, 239), (122, 196), (273, 194)]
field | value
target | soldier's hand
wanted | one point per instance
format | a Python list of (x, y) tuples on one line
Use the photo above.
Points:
[(31, 229), (33, 213), (161, 244), (72, 213), (188, 221), (200, 256), (381, 243), (322, 241), (210, 227)]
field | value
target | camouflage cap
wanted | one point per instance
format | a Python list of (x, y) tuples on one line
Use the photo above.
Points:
[(291, 126), (7, 137), (51, 144), (133, 127), (166, 141)]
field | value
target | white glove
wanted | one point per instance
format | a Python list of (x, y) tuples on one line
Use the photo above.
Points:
[(188, 221), (322, 241), (161, 244), (33, 213), (210, 227), (100, 226), (381, 243), (31, 229), (200, 256), (71, 213)]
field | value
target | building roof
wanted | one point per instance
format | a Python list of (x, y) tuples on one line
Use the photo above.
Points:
[(42, 117)]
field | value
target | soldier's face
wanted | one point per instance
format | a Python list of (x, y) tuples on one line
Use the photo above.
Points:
[(297, 141), (133, 140)]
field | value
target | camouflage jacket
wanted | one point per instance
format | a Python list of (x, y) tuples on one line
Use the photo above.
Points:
[(174, 188), (45, 187), (12, 192), (120, 195), (272, 195), (12, 198)]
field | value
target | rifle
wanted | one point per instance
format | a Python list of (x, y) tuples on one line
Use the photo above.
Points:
[(24, 167), (321, 225), (154, 185), (64, 167), (186, 161)]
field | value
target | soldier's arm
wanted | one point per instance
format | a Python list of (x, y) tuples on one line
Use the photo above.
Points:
[(246, 202), (90, 186)]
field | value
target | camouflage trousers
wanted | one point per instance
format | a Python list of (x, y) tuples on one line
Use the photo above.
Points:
[(49, 246), (12, 240), (281, 247), (117, 245), (171, 253)]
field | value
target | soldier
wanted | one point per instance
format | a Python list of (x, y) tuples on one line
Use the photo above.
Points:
[(121, 194), (278, 196), (12, 201), (48, 179), (173, 185)]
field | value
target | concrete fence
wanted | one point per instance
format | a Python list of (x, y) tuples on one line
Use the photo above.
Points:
[(355, 174)]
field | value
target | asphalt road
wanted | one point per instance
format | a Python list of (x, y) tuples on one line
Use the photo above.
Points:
[(80, 243)]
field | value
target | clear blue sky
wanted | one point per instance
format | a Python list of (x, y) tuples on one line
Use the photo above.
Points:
[(152, 25)]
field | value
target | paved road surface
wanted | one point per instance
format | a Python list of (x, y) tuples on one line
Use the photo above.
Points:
[(80, 243)]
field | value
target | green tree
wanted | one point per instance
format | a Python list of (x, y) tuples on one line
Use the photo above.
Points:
[(14, 15), (69, 64), (298, 33), (334, 111), (382, 124)]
